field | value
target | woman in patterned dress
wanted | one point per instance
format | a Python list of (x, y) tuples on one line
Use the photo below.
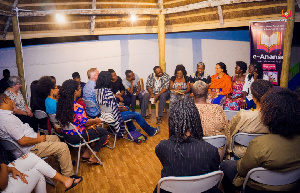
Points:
[(68, 110), (179, 85), (235, 100)]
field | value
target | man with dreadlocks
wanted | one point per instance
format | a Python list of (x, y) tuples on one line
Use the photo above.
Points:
[(185, 153)]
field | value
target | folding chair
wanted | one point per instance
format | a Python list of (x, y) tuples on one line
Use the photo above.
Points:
[(230, 114), (190, 184), (217, 141), (91, 104), (109, 110), (55, 123), (272, 178), (242, 139), (39, 114), (82, 142), (11, 145)]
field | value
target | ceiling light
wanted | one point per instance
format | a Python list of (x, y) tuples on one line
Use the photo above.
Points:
[(132, 17), (60, 18)]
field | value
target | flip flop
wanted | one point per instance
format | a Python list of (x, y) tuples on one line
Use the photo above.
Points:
[(74, 177), (93, 163), (84, 159)]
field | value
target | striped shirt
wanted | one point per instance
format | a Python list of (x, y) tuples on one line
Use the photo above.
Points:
[(158, 85)]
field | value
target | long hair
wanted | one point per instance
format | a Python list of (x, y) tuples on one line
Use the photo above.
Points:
[(280, 112), (223, 66), (184, 116), (260, 87), (65, 109), (104, 80)]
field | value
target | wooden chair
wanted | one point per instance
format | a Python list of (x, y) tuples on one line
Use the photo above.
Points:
[(190, 184)]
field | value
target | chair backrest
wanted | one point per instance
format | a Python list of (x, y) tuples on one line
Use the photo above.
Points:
[(217, 140), (230, 114), (243, 138), (142, 83), (91, 104), (190, 184), (272, 178), (105, 109), (11, 145), (39, 114), (53, 119)]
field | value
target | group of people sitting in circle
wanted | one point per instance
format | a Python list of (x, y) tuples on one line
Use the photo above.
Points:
[(196, 110)]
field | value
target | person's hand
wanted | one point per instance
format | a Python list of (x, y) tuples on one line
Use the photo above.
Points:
[(30, 114), (16, 173), (191, 95), (155, 97), (121, 98), (255, 75), (98, 121), (151, 95), (243, 105), (42, 138)]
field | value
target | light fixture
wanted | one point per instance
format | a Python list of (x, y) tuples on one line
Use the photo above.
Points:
[(60, 18), (132, 17)]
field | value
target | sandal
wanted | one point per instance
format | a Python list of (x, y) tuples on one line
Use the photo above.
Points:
[(147, 117), (74, 177), (84, 159), (158, 120), (93, 163)]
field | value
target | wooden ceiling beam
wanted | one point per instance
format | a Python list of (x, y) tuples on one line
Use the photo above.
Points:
[(6, 3), (6, 13), (204, 4), (119, 11), (93, 18)]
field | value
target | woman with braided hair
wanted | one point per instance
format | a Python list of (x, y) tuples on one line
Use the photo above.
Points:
[(185, 153)]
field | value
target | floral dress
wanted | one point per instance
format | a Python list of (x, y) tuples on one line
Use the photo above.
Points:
[(182, 86), (233, 103)]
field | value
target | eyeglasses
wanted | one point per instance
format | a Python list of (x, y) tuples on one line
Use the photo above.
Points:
[(19, 84)]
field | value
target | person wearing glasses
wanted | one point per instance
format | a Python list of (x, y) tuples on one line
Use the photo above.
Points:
[(20, 108)]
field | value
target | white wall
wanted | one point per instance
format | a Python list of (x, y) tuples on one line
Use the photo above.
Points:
[(226, 51)]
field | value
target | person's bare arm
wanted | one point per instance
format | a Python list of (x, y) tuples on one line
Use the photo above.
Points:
[(150, 90), (130, 90), (244, 104), (90, 122), (139, 88), (188, 88), (158, 94), (31, 141), (171, 85), (3, 176), (18, 111)]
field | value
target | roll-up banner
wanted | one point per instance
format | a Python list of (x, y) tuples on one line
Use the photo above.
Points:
[(266, 46)]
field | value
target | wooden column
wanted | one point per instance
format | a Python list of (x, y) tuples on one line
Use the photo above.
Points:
[(288, 37), (161, 41), (19, 54)]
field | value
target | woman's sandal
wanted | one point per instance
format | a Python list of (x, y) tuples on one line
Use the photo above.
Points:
[(74, 177), (93, 163), (85, 159)]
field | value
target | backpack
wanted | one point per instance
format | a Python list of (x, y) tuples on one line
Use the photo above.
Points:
[(137, 137)]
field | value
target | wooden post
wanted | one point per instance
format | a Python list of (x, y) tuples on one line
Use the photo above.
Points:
[(19, 54), (288, 37), (161, 41)]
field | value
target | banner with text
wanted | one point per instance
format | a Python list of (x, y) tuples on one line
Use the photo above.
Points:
[(266, 47)]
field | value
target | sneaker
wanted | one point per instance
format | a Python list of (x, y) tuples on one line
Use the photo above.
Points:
[(157, 130)]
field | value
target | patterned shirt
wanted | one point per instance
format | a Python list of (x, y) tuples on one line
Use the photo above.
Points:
[(204, 77), (80, 119), (90, 94), (158, 85), (18, 99)]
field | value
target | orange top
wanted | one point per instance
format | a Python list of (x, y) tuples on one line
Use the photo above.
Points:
[(224, 83)]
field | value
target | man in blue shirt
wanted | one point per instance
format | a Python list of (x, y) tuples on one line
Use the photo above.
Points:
[(89, 92)]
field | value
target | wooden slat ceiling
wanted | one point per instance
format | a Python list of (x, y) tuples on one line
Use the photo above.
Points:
[(37, 17)]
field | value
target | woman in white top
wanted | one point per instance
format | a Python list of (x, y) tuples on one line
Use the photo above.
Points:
[(27, 174), (255, 72)]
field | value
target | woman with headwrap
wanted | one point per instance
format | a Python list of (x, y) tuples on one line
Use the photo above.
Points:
[(185, 153)]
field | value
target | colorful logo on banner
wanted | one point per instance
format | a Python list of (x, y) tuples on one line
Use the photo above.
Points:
[(269, 43), (286, 14)]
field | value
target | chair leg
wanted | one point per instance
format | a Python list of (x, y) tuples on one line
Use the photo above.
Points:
[(156, 108), (114, 143), (78, 159), (149, 108), (100, 162), (49, 181)]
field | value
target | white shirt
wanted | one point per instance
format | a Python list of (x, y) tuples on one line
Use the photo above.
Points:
[(12, 127), (248, 83)]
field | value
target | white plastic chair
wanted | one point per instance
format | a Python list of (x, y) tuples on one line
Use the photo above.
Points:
[(190, 184), (230, 114), (39, 114), (272, 178), (243, 138), (11, 145), (217, 141), (79, 145)]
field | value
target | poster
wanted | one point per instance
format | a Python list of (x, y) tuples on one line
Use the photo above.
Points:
[(266, 47)]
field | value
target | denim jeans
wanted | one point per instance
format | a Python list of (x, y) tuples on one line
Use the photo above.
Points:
[(130, 99), (126, 115)]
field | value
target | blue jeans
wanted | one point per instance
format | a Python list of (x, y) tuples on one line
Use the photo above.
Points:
[(126, 115), (130, 99), (250, 104)]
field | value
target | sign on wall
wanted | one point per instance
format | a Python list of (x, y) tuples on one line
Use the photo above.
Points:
[(266, 47)]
